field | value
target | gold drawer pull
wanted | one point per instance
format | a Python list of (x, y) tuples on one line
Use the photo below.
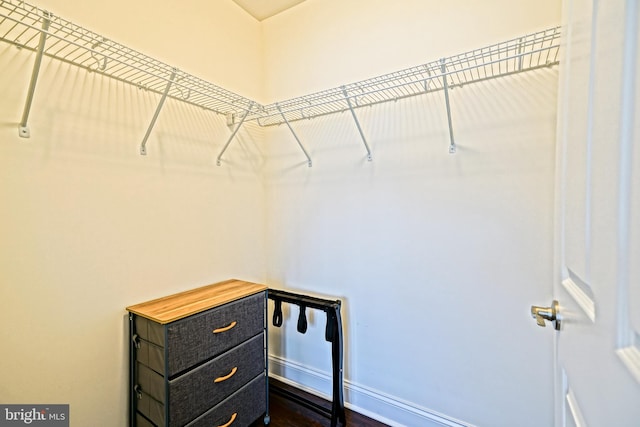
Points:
[(226, 328), (233, 418), (226, 377)]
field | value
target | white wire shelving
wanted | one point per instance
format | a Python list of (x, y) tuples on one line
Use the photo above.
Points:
[(29, 27), (521, 54)]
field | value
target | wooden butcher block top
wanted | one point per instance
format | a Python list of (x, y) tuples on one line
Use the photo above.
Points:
[(174, 307)]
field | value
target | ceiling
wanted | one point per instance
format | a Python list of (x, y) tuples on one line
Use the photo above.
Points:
[(262, 9)]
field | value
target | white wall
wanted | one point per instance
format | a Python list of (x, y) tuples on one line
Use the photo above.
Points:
[(89, 226), (436, 257)]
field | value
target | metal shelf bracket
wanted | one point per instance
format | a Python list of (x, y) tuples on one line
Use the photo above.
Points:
[(244, 116), (445, 85), (309, 163), (355, 119), (23, 129), (143, 146)]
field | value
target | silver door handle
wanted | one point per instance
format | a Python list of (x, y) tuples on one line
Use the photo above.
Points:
[(551, 314)]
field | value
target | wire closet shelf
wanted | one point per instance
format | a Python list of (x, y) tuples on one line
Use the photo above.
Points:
[(526, 53), (22, 24), (29, 27)]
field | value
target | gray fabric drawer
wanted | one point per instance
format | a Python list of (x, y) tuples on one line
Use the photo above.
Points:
[(191, 340), (151, 355), (193, 393), (151, 408), (149, 330), (248, 404), (151, 383), (143, 422)]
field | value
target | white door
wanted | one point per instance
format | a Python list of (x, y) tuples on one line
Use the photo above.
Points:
[(597, 283)]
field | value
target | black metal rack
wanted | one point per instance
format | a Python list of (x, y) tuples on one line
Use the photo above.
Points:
[(333, 334)]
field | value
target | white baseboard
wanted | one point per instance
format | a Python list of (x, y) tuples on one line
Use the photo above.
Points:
[(373, 403)]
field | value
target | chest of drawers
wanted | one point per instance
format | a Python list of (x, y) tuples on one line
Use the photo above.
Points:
[(197, 358)]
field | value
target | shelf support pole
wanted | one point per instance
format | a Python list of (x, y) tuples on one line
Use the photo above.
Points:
[(445, 85), (218, 160), (294, 135), (23, 129), (355, 118), (143, 146)]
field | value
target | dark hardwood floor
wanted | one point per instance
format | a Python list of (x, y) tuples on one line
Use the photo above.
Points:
[(286, 413)]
